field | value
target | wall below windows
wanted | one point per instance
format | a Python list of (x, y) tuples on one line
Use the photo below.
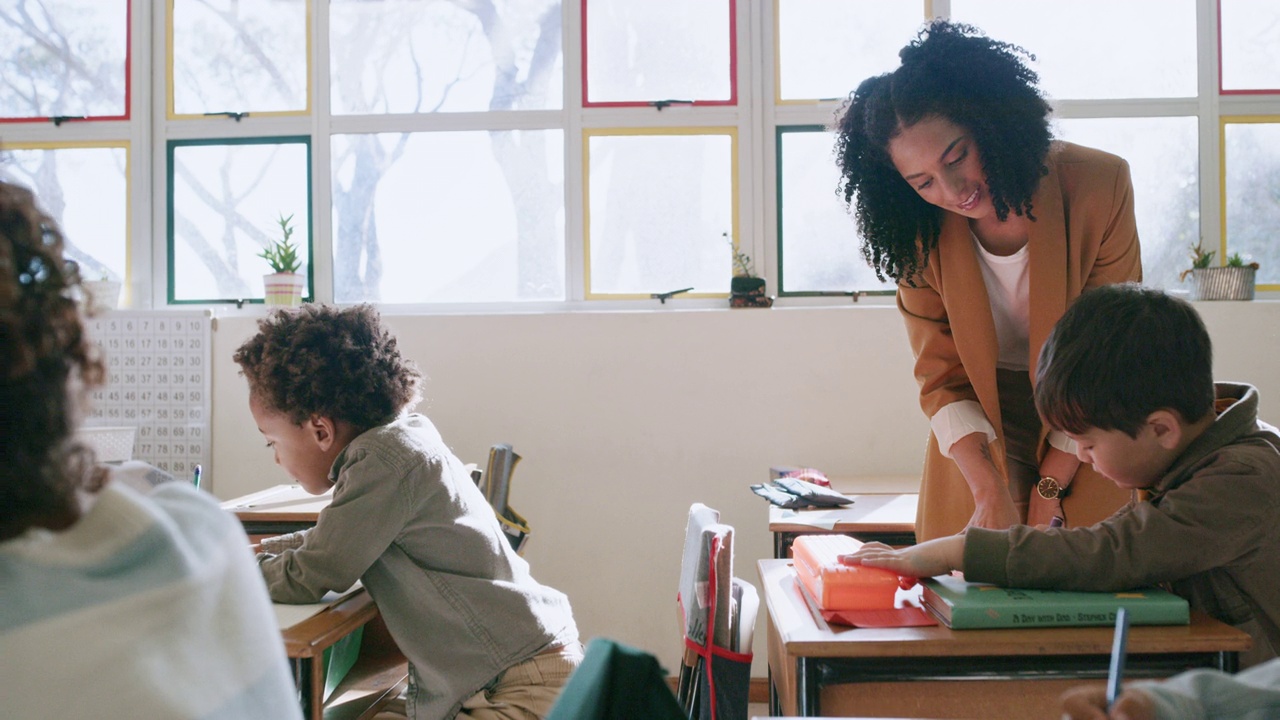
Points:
[(626, 418)]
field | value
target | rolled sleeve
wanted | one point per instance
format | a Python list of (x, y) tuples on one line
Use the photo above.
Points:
[(985, 556), (958, 419), (1059, 440)]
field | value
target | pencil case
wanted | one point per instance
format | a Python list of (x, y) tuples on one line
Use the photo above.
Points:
[(835, 586)]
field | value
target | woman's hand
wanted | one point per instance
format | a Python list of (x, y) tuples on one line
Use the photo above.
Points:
[(1041, 512), (1089, 702), (935, 557), (993, 507)]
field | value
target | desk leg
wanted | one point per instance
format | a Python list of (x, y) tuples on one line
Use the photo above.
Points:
[(775, 703), (808, 692), (1229, 662), (306, 675)]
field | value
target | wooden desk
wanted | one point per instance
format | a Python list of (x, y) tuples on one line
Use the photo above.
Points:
[(379, 675), (277, 510), (958, 674), (888, 518)]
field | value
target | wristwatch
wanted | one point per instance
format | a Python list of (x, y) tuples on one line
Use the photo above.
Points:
[(1050, 489)]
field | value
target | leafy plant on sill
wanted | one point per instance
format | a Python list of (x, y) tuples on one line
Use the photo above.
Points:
[(282, 255), (1234, 260), (1200, 259), (742, 266)]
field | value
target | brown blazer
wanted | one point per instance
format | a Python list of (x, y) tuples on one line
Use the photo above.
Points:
[(1084, 236)]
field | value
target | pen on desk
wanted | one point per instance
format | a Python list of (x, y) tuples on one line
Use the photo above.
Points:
[(1117, 657), (196, 480)]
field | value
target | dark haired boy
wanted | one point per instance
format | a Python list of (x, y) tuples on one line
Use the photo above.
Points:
[(330, 391), (1127, 374)]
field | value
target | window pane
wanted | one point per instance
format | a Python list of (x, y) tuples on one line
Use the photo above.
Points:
[(1253, 195), (661, 207), (819, 240), (403, 56), (647, 50), (1166, 190), (1250, 44), (449, 217), (226, 199), (85, 190), (231, 56), (63, 57), (1091, 49), (827, 47)]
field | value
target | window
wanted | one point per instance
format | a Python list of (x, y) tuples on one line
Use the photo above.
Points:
[(576, 153)]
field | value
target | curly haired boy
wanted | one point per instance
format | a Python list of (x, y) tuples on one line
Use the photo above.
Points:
[(331, 393)]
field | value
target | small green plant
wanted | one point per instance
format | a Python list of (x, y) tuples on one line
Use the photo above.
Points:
[(742, 266), (1200, 259), (1234, 260), (282, 255)]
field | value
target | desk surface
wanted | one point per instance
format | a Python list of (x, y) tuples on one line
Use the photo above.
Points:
[(869, 513), (803, 634), (815, 667), (279, 503), (310, 637)]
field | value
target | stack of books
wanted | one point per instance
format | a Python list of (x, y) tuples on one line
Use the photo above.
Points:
[(964, 605)]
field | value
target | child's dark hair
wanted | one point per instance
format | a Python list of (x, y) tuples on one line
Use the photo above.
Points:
[(954, 72), (46, 362), (320, 360), (1120, 353)]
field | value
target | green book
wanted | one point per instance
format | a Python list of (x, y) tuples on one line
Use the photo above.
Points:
[(964, 605)]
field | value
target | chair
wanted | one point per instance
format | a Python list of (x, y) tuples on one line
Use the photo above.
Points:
[(717, 615), (616, 682), (495, 483)]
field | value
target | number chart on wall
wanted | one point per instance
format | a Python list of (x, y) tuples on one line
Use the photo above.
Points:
[(158, 381)]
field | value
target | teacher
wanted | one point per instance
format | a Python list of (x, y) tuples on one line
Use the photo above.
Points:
[(990, 228)]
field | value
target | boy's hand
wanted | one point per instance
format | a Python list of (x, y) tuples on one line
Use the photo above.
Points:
[(935, 557), (1089, 702)]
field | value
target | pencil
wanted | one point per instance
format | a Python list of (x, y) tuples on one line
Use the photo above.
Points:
[(196, 480), (1117, 657)]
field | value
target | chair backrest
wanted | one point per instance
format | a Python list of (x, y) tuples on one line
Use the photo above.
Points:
[(616, 682), (495, 483)]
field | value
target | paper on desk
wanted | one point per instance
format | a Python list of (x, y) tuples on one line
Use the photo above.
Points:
[(825, 519), (288, 615), (280, 497)]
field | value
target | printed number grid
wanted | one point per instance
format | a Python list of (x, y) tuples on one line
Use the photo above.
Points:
[(157, 381)]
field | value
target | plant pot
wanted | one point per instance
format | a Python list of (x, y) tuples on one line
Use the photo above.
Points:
[(1223, 283), (283, 289), (748, 292), (103, 294)]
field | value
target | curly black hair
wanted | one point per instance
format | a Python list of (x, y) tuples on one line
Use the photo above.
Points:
[(46, 364), (955, 72), (320, 360)]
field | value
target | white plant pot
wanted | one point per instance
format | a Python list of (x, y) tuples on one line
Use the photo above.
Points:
[(103, 294), (283, 289)]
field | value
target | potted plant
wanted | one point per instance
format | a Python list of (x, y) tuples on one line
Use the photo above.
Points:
[(104, 293), (283, 286), (1234, 281), (745, 289)]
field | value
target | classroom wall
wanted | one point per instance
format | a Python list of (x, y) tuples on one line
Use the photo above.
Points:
[(626, 418)]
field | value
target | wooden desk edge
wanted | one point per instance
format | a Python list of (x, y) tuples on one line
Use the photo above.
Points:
[(310, 637), (803, 635)]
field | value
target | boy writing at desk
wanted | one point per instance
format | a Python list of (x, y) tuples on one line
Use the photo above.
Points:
[(330, 391), (1126, 373)]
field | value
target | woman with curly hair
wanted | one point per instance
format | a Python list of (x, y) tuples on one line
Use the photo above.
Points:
[(332, 395), (113, 603), (990, 228)]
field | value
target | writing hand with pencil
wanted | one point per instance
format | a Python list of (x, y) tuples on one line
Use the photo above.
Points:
[(1089, 702)]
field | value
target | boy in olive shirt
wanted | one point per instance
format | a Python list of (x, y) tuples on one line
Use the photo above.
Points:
[(1127, 374)]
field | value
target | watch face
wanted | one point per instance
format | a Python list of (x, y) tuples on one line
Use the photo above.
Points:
[(1048, 488)]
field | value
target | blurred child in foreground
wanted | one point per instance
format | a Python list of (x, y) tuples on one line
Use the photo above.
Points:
[(113, 603)]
